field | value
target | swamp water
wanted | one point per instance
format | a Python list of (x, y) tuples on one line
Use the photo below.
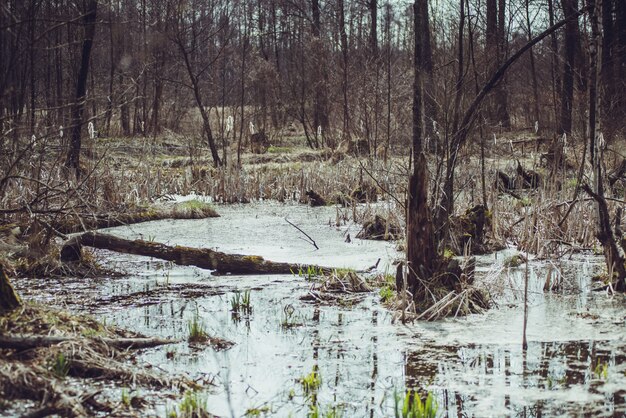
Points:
[(474, 365)]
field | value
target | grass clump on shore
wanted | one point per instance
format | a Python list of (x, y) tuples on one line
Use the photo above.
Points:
[(193, 209), (197, 333)]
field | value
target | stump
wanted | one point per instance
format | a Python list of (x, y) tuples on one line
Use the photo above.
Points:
[(259, 143), (529, 179), (315, 199), (9, 300), (379, 228)]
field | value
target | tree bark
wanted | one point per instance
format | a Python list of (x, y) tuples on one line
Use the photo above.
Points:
[(320, 106), (90, 8), (204, 258)]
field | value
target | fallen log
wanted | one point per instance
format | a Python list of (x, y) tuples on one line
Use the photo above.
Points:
[(28, 342), (205, 258)]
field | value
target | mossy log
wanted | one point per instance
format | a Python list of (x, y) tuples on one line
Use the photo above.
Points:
[(205, 258), (9, 300), (74, 224)]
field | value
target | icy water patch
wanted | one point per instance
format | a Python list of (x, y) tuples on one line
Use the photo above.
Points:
[(475, 365)]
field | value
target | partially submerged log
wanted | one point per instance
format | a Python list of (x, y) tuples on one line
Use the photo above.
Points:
[(9, 300), (205, 258), (27, 342)]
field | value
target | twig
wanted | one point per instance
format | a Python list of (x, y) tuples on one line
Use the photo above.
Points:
[(311, 240)]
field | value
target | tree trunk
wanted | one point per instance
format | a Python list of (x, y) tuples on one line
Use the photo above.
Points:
[(613, 254), (206, 126), (569, 54), (344, 67), (554, 71), (320, 106), (9, 300), (533, 70), (90, 8), (428, 83), (501, 93)]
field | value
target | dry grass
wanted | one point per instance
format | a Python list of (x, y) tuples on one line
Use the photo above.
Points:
[(62, 378)]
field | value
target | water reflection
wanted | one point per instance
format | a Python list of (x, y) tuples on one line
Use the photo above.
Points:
[(549, 379)]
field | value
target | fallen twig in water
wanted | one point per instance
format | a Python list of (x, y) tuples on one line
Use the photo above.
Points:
[(311, 240)]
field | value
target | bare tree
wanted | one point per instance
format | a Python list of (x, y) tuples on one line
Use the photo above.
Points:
[(89, 10)]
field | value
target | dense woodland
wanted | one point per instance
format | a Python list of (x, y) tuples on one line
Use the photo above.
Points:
[(336, 69)]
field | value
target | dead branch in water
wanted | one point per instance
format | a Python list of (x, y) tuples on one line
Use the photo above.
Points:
[(311, 240)]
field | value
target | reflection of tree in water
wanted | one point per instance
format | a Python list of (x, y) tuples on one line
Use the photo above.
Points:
[(471, 373), (372, 385)]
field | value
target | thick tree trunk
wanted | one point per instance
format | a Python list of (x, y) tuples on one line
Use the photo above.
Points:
[(533, 70), (500, 92), (554, 70), (611, 241), (9, 300), (428, 83), (89, 20), (185, 256), (421, 247)]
